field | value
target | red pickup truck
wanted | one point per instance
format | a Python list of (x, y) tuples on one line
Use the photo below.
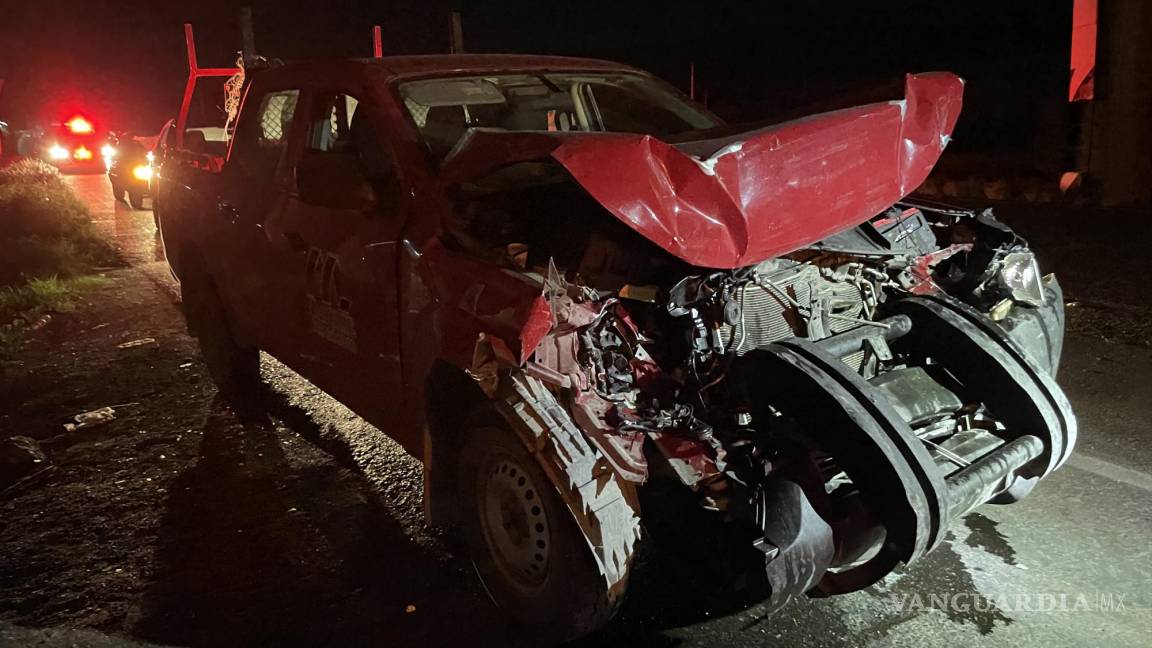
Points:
[(569, 290)]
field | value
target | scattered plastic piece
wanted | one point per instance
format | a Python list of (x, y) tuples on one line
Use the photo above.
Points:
[(91, 419), (135, 344)]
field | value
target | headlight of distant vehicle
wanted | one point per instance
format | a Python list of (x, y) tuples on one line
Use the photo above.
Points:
[(82, 153), (108, 151), (142, 172), (57, 152)]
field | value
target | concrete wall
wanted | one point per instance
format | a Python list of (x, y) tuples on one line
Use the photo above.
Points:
[(1120, 149)]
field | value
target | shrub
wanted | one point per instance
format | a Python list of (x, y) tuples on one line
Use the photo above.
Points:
[(30, 171), (45, 230)]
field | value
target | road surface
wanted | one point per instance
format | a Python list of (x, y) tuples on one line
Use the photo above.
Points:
[(305, 528), (131, 228)]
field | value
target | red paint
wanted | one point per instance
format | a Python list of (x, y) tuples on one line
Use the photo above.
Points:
[(377, 43), (1083, 60), (538, 324), (774, 190), (736, 201), (478, 297), (923, 266), (195, 72)]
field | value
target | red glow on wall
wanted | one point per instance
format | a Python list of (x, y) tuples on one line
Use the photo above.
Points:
[(1081, 83)]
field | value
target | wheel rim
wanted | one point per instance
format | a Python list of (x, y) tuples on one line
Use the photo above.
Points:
[(514, 521)]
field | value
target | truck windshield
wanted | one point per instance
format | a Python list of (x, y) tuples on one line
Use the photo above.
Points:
[(445, 108)]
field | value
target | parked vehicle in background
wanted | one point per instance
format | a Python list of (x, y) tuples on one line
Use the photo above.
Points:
[(7, 146), (129, 163), (563, 286), (73, 146), (165, 146)]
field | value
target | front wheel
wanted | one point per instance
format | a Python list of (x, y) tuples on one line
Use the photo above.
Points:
[(136, 199), (527, 548)]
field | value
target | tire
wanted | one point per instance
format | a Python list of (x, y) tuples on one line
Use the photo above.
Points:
[(136, 199), (527, 548), (233, 367), (117, 192)]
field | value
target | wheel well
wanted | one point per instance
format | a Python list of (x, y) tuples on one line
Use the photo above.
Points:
[(452, 402)]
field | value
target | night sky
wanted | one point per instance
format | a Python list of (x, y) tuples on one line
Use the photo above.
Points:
[(123, 61)]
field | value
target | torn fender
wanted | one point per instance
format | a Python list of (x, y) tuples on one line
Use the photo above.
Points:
[(736, 201), (604, 506), (478, 298)]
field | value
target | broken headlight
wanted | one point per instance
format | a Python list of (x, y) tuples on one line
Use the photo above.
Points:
[(1019, 278)]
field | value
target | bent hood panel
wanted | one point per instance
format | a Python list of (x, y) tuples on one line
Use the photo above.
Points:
[(737, 201)]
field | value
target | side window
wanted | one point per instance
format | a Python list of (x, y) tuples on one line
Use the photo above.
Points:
[(341, 128), (276, 112), (263, 141), (331, 128)]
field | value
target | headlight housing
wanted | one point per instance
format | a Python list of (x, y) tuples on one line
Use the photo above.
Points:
[(1019, 278), (142, 172)]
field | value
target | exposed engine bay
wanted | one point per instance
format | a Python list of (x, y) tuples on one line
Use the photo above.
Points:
[(841, 404)]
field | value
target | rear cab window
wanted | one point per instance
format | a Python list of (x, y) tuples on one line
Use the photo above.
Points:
[(261, 140)]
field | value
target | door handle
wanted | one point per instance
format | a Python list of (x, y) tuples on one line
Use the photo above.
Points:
[(295, 242)]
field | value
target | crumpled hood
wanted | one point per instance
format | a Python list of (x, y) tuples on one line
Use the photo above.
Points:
[(738, 200)]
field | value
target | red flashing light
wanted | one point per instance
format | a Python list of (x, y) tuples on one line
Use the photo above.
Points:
[(79, 125)]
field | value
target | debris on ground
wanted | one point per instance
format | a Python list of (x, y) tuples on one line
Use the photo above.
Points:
[(91, 419), (41, 322), (142, 343), (20, 456)]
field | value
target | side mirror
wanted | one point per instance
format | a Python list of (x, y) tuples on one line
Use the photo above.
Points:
[(328, 179)]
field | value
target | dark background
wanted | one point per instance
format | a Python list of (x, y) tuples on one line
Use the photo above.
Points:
[(122, 62)]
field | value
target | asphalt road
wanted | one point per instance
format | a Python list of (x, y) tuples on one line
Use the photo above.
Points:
[(132, 231), (1069, 566)]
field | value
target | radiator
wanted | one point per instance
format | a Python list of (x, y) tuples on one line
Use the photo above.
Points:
[(769, 314)]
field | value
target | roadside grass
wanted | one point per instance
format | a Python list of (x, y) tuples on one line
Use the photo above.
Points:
[(23, 307), (49, 246), (45, 229)]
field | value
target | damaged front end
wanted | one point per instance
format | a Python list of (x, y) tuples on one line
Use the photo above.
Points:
[(838, 404)]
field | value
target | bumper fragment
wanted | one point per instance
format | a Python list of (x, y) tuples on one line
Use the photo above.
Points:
[(870, 429), (1040, 330)]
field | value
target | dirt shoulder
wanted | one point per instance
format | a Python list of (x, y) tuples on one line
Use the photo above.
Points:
[(178, 523)]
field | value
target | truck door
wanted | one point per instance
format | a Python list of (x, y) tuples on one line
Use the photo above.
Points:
[(342, 221), (254, 187)]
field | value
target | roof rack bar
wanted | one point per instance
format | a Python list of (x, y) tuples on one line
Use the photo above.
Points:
[(194, 72)]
